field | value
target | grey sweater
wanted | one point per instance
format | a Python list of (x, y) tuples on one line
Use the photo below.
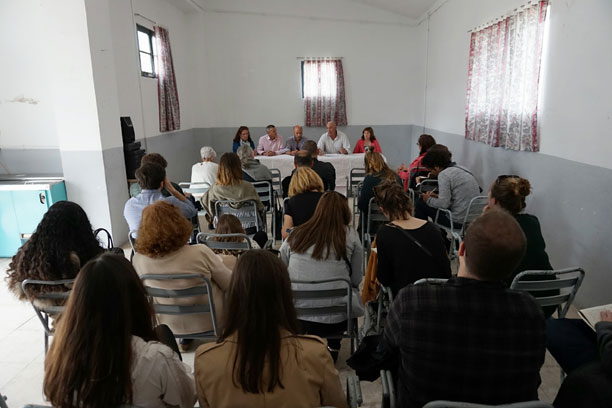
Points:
[(457, 187)]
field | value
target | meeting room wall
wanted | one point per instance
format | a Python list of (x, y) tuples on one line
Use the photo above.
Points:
[(571, 176)]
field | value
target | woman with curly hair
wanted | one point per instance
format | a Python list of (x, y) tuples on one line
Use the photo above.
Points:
[(162, 248), (367, 142), (61, 244)]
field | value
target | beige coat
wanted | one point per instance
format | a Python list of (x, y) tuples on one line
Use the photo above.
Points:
[(308, 376), (189, 259)]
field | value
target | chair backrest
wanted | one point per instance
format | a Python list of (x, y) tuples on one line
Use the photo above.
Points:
[(567, 281), (388, 389), (475, 208), (55, 299), (356, 176), (276, 181), (245, 211), (456, 404), (204, 287), (209, 239), (435, 281), (310, 294), (195, 188), (374, 215), (264, 190)]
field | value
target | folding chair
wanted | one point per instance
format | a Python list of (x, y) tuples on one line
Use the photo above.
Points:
[(388, 390), (195, 188), (44, 312), (475, 208), (567, 281), (384, 299), (355, 202), (277, 182), (209, 240), (266, 195), (354, 178), (354, 398), (245, 211), (454, 404), (374, 215), (435, 281), (202, 288), (132, 239), (327, 302)]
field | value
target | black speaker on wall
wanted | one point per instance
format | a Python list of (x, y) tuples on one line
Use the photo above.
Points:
[(132, 151)]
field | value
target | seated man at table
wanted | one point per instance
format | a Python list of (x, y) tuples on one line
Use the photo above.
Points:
[(470, 339), (295, 143), (325, 170), (271, 143), (152, 178), (333, 141), (301, 159)]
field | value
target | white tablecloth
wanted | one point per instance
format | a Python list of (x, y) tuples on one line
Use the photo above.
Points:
[(343, 163)]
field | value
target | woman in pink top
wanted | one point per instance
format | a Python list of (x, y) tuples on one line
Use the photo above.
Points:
[(368, 140), (424, 143)]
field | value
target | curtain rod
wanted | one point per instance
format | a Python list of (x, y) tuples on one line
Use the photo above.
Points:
[(508, 14), (146, 18), (316, 58)]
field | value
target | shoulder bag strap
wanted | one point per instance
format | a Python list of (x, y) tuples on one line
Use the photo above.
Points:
[(411, 238)]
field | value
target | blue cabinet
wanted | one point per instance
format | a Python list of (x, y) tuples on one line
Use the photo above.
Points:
[(23, 202)]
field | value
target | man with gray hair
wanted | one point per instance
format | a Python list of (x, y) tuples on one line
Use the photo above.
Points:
[(206, 170)]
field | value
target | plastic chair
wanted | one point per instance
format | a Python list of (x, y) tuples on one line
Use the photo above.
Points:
[(373, 215), (132, 239), (336, 301), (245, 211), (454, 404), (567, 281), (45, 312), (203, 288), (209, 240)]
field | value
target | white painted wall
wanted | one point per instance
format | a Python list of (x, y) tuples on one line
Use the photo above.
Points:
[(26, 103), (249, 74), (575, 105)]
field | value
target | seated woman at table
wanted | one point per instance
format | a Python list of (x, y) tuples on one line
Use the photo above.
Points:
[(409, 174), (243, 137), (377, 171), (305, 190), (230, 186), (408, 248), (252, 169), (368, 141)]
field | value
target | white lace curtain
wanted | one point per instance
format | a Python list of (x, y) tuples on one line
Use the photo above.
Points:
[(324, 92), (503, 79)]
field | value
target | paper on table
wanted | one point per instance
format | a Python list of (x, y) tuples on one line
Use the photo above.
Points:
[(592, 315)]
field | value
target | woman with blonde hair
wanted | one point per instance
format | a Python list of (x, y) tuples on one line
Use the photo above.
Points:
[(161, 249), (230, 186), (377, 171), (305, 190), (326, 247)]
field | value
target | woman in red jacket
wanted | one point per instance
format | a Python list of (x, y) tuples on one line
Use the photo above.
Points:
[(368, 140)]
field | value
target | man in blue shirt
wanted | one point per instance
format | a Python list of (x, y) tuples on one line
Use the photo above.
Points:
[(152, 178)]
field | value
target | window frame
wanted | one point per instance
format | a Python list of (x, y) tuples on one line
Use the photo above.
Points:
[(151, 35)]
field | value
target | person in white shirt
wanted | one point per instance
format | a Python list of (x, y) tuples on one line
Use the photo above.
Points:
[(333, 141), (206, 170)]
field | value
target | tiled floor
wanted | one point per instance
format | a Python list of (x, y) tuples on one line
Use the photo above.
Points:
[(22, 357)]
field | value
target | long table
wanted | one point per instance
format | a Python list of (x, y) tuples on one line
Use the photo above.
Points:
[(343, 163)]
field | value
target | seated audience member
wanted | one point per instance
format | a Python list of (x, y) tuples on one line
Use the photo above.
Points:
[(376, 171), (326, 247), (409, 174), (243, 137), (305, 190), (408, 248), (106, 352), (457, 186), (367, 142), (161, 249), (586, 356), (230, 224), (252, 169), (156, 158), (301, 159), (62, 243), (152, 178), (509, 192), (206, 170), (333, 141), (271, 143), (325, 170), (296, 142), (260, 359), (230, 186), (470, 339)]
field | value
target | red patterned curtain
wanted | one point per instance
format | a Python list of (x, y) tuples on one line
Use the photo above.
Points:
[(324, 92), (503, 79), (167, 94)]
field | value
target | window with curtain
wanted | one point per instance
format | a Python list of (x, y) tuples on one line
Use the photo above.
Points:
[(503, 79), (167, 93), (323, 91)]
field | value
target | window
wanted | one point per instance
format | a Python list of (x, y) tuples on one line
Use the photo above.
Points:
[(323, 91), (146, 51)]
